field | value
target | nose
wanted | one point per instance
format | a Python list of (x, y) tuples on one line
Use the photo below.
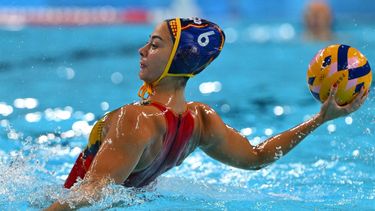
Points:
[(142, 51)]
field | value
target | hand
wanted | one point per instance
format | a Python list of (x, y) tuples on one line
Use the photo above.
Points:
[(331, 110)]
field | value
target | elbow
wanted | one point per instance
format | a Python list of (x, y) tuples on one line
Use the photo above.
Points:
[(260, 160), (257, 167)]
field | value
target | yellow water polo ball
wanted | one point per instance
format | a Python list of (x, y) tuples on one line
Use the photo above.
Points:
[(342, 65)]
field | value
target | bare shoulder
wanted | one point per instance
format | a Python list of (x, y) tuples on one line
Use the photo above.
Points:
[(203, 111), (134, 121), (126, 113)]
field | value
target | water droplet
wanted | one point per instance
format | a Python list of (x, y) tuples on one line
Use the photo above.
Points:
[(355, 153), (348, 120), (331, 128)]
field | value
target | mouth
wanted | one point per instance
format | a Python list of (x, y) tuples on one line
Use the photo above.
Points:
[(142, 65)]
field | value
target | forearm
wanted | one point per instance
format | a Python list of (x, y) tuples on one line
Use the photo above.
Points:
[(79, 197), (279, 145), (60, 206)]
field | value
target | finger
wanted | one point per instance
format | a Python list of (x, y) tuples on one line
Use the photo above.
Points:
[(358, 101), (332, 93), (362, 95), (333, 90), (365, 94)]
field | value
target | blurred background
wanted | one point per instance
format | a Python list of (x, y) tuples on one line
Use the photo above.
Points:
[(148, 11), (64, 63)]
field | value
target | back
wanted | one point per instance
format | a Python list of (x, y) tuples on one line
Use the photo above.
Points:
[(174, 137)]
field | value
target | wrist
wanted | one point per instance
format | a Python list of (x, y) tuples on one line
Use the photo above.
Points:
[(318, 119)]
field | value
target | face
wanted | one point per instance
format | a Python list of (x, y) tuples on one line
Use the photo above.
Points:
[(318, 17), (155, 54)]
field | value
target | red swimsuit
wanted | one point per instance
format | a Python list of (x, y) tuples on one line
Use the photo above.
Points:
[(175, 149)]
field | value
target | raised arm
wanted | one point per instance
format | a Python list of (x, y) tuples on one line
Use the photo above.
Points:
[(117, 157), (228, 146)]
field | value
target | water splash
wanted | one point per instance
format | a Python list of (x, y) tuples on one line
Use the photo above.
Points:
[(21, 174)]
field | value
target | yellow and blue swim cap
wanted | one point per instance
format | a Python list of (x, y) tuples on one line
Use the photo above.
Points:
[(196, 43)]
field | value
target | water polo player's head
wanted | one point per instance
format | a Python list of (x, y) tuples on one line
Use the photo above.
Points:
[(179, 47)]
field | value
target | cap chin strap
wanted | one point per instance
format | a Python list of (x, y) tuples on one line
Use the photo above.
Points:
[(145, 89)]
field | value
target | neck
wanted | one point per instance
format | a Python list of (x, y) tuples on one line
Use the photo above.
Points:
[(170, 92)]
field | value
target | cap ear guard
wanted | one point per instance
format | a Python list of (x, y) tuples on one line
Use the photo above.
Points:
[(174, 26)]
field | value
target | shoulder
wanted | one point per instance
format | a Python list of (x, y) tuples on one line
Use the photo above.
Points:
[(135, 121), (203, 111), (131, 112), (124, 113), (199, 107)]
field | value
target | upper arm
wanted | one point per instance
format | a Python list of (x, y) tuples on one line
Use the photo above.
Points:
[(121, 148), (225, 144)]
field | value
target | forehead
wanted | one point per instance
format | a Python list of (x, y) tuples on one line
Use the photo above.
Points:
[(162, 31)]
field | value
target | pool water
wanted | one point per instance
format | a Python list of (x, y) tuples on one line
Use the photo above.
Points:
[(57, 81)]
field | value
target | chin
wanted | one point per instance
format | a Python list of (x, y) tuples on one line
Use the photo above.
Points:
[(144, 78), (142, 75)]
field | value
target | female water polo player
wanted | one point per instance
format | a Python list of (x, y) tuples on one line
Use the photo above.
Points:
[(136, 143)]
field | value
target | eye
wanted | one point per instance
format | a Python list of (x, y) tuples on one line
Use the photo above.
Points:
[(154, 46)]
